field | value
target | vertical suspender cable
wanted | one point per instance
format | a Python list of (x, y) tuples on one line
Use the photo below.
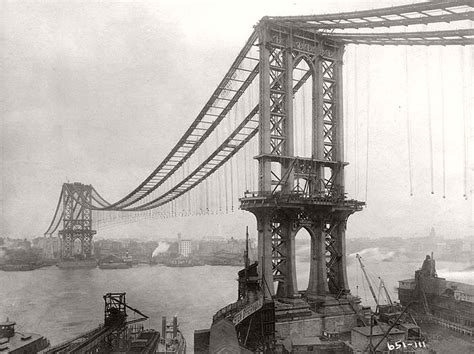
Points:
[(345, 113), (304, 120), (207, 195), (202, 198), (173, 202), (443, 135), (183, 212), (170, 208), (465, 125), (408, 121), (252, 181), (356, 123), (228, 195), (368, 126), (218, 172), (245, 148), (218, 191), (213, 193), (196, 202), (430, 123), (238, 158), (232, 166), (231, 186), (469, 124), (186, 165), (225, 188)]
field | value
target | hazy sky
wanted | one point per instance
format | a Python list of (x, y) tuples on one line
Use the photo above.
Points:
[(99, 92)]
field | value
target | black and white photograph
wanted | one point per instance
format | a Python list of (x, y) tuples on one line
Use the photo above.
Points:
[(266, 176)]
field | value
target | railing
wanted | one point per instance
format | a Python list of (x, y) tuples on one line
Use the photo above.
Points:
[(238, 311), (445, 323), (229, 310)]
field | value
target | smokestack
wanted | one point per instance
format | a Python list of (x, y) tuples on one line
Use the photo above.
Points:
[(247, 262), (433, 266), (175, 327), (163, 327)]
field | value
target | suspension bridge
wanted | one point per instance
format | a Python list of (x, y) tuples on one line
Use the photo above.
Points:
[(271, 140)]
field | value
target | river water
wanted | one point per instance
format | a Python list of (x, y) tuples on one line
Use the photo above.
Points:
[(61, 304)]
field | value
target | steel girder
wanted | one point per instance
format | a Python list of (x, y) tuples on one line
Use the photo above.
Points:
[(448, 37), (364, 27), (404, 15), (279, 249), (278, 112)]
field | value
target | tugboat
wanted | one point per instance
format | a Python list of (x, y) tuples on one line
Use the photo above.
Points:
[(16, 342)]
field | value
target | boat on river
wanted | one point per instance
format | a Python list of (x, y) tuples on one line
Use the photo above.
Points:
[(12, 341), (20, 267), (115, 262)]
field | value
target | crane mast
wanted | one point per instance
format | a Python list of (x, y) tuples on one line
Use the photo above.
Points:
[(367, 278), (389, 299)]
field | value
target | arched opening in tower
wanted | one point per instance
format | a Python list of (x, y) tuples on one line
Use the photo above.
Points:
[(77, 248), (303, 258), (302, 110)]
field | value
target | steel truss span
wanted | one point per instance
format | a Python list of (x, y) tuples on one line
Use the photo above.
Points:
[(186, 166)]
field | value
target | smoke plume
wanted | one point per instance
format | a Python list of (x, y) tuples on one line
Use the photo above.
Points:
[(162, 247)]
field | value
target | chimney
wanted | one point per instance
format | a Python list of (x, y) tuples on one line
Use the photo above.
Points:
[(175, 327), (163, 327)]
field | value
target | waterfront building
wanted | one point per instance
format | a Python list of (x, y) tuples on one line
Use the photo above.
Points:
[(185, 247)]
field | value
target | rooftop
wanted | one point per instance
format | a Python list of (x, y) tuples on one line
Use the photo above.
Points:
[(18, 341)]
